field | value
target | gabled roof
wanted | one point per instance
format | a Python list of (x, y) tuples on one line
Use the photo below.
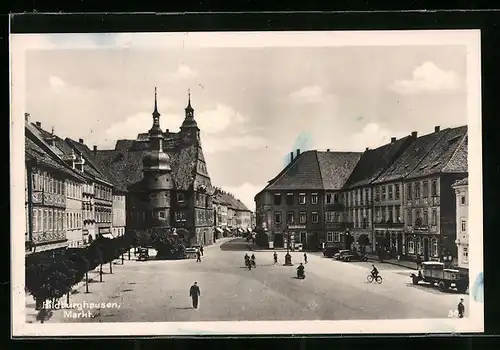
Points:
[(410, 158), (463, 182), (335, 167), (92, 166), (35, 151), (374, 161), (315, 170), (439, 157)]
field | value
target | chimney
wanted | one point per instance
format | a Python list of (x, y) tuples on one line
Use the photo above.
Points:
[(298, 152), (167, 131), (367, 149), (328, 150), (437, 128), (414, 134), (38, 124), (291, 156), (95, 149), (27, 118), (393, 139), (81, 141)]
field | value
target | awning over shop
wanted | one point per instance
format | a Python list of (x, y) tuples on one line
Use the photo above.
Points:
[(227, 230), (219, 229), (107, 235), (240, 230), (249, 229)]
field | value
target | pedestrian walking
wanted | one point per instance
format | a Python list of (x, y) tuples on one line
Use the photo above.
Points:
[(305, 258), (419, 261), (194, 293), (198, 256), (275, 255), (201, 250), (461, 308)]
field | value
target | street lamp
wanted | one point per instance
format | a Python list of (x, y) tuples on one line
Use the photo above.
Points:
[(288, 257)]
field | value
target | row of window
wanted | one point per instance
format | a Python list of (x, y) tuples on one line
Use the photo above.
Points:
[(103, 214), (387, 192), (49, 219), (46, 182), (157, 214), (290, 198), (415, 246), (413, 190), (103, 192), (421, 217), (291, 219), (358, 197), (333, 237)]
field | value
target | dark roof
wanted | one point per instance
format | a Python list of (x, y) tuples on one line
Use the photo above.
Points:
[(126, 165), (459, 161), (462, 182), (34, 151), (336, 167), (315, 170), (411, 157), (439, 157), (229, 200), (374, 161), (93, 167)]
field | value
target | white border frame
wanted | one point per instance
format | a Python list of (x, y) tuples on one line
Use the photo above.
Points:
[(20, 43)]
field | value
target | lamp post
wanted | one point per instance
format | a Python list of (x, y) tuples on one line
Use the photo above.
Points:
[(288, 257)]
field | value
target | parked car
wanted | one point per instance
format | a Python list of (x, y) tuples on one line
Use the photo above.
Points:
[(192, 252), (433, 272), (354, 256), (339, 255), (329, 252)]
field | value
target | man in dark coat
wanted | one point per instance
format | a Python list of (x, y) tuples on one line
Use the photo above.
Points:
[(201, 250), (198, 256), (194, 293), (461, 308)]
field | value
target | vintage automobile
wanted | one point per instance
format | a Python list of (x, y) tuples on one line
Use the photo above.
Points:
[(353, 256), (433, 272), (192, 252), (329, 252), (339, 255), (143, 254)]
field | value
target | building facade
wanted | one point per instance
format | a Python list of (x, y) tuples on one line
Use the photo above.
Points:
[(172, 188), (74, 213), (462, 214), (119, 214), (302, 204), (46, 176)]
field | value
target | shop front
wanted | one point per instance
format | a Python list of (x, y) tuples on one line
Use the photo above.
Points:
[(105, 232)]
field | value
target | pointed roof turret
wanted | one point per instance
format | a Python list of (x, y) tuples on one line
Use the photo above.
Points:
[(156, 130), (189, 121)]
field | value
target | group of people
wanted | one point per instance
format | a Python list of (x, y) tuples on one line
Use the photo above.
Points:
[(250, 261), (275, 256)]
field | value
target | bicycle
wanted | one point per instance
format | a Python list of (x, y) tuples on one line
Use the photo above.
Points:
[(377, 279)]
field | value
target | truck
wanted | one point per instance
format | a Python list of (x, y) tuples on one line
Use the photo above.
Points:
[(434, 272)]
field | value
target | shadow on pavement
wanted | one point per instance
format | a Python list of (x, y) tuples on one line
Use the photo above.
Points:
[(433, 289), (237, 244)]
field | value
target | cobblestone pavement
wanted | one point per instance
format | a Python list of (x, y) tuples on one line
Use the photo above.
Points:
[(158, 291)]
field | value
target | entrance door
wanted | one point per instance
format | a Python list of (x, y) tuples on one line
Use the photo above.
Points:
[(400, 243), (278, 240), (426, 249), (303, 238)]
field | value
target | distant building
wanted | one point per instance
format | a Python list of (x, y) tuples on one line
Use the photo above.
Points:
[(462, 214), (167, 181), (302, 203), (233, 217)]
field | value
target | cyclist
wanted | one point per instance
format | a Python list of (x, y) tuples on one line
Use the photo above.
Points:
[(374, 272)]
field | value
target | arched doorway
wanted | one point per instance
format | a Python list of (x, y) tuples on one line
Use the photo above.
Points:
[(426, 248)]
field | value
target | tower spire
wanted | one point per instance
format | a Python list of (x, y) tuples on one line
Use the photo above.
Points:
[(156, 117), (155, 112)]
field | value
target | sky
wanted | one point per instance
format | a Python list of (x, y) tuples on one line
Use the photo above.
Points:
[(253, 104)]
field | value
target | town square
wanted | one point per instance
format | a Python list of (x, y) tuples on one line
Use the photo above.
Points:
[(165, 185)]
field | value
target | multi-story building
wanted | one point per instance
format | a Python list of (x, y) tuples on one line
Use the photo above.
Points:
[(119, 213), (220, 214), (389, 196), (101, 200), (253, 221), (243, 217), (430, 198), (46, 177), (302, 203), (358, 194), (462, 213), (182, 196)]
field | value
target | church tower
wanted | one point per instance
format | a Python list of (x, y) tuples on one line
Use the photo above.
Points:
[(190, 133), (157, 176)]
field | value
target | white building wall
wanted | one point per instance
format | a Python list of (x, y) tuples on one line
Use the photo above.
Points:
[(462, 240)]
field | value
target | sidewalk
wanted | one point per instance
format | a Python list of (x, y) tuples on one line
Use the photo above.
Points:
[(408, 264)]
